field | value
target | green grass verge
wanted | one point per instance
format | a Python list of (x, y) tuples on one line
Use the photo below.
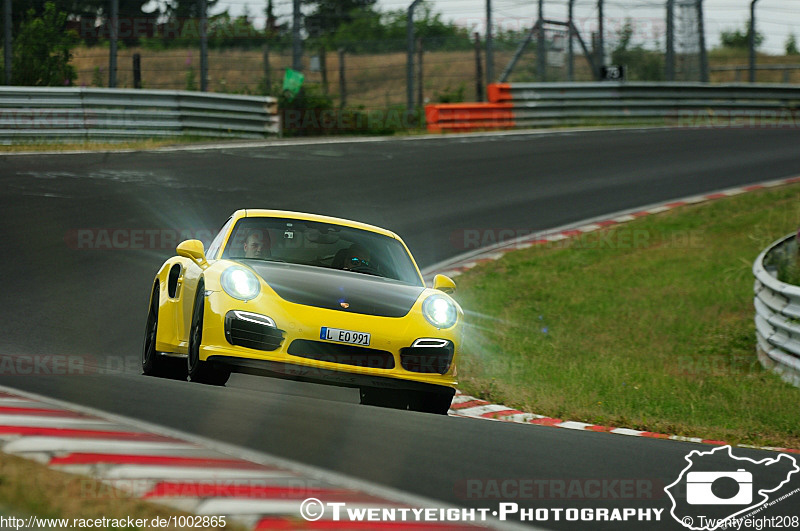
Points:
[(646, 326)]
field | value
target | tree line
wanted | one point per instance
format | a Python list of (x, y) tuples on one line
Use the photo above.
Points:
[(355, 25)]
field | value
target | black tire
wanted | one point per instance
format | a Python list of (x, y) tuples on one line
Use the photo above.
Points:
[(202, 371), (378, 397), (150, 358), (437, 402), (153, 363)]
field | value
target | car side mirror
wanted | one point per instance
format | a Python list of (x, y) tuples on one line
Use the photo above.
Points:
[(193, 250), (444, 283)]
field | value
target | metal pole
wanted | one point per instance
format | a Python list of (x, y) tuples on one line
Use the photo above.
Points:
[(489, 44), (589, 56), (419, 72), (601, 51), (112, 49), (342, 83), (478, 73), (570, 44), (541, 53), (7, 40), (410, 56), (267, 70), (137, 71), (669, 63), (753, 41), (297, 50), (203, 46), (323, 69), (701, 33)]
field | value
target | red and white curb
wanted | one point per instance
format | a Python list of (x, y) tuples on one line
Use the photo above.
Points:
[(468, 406), (188, 474)]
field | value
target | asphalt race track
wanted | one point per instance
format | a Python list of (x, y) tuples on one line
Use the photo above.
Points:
[(66, 294)]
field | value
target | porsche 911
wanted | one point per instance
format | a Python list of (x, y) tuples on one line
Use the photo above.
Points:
[(306, 297)]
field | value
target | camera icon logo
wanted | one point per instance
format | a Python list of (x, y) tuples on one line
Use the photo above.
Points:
[(713, 488)]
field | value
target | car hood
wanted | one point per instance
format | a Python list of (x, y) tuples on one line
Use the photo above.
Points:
[(338, 290)]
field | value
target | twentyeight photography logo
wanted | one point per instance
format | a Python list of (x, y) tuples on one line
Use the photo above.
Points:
[(723, 491)]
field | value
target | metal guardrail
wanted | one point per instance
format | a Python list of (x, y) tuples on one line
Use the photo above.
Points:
[(688, 104), (115, 114), (777, 306)]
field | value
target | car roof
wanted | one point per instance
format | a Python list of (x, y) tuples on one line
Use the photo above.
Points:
[(265, 213)]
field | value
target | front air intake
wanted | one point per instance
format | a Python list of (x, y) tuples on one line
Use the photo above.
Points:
[(430, 356), (251, 330), (343, 354)]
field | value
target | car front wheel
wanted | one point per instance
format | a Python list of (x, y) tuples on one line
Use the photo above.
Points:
[(202, 371), (437, 402), (153, 363)]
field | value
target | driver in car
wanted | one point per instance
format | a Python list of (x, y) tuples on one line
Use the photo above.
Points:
[(356, 256), (257, 244)]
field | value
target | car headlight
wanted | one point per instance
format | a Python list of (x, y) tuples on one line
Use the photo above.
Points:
[(240, 283), (439, 311)]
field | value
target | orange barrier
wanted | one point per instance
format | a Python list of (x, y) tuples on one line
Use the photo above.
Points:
[(499, 92), (461, 117)]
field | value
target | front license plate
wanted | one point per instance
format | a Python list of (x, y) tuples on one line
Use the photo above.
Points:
[(344, 336)]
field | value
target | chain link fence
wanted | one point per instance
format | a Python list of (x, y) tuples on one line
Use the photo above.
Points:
[(639, 35)]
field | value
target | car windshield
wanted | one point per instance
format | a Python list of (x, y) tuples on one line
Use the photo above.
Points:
[(318, 244)]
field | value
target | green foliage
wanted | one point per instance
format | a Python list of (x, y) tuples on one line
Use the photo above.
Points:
[(183, 9), (239, 32), (224, 32), (191, 79), (450, 95), (312, 112), (786, 261), (791, 45), (42, 50), (371, 31), (739, 39), (329, 15), (97, 77), (641, 64), (73, 8)]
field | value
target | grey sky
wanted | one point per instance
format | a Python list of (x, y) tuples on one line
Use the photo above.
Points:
[(776, 18)]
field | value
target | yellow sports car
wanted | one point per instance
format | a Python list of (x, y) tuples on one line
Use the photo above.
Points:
[(306, 297)]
